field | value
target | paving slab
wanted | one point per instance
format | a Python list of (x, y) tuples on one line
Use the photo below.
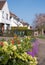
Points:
[(41, 52)]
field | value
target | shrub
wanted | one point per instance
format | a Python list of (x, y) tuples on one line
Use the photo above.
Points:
[(14, 52)]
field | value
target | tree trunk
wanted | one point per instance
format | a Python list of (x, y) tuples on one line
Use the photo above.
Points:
[(42, 31)]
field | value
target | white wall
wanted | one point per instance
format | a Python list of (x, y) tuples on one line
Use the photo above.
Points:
[(0, 16), (13, 22), (6, 11), (20, 24), (28, 27)]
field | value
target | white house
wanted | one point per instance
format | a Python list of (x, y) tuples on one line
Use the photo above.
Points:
[(15, 21), (8, 19), (25, 24), (4, 15)]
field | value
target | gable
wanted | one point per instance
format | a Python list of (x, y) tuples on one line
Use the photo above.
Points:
[(5, 7), (6, 10)]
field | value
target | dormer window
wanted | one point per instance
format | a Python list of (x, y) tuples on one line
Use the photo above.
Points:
[(7, 16), (2, 14)]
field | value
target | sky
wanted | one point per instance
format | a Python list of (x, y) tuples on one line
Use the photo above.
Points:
[(27, 9)]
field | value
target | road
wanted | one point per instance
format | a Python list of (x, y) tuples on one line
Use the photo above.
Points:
[(6, 38), (41, 52)]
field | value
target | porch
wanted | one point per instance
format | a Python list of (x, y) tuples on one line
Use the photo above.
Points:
[(3, 28)]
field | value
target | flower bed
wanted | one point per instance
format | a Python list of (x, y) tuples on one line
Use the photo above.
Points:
[(14, 52)]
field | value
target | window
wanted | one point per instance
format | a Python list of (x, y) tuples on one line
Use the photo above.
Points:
[(2, 14), (7, 16)]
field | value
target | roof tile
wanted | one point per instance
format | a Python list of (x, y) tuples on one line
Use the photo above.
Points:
[(2, 4)]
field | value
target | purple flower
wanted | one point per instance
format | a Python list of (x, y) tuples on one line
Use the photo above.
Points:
[(31, 53), (34, 49)]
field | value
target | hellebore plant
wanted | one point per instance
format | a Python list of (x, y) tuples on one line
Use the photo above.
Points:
[(14, 52)]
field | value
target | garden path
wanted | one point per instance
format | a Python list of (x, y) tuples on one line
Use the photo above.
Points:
[(41, 52)]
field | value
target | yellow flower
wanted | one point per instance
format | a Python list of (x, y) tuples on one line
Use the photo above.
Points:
[(14, 48), (36, 62), (19, 45), (30, 57), (35, 58), (5, 43), (11, 53), (31, 62), (4, 48), (28, 37)]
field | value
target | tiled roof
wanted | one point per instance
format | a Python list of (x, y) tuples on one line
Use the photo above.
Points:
[(13, 15), (24, 23), (18, 19), (2, 2)]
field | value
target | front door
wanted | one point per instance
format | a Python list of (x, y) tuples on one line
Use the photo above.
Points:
[(1, 28)]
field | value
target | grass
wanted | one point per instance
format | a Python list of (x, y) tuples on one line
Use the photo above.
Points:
[(41, 36)]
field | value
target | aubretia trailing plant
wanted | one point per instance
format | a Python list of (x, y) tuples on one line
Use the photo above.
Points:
[(14, 52)]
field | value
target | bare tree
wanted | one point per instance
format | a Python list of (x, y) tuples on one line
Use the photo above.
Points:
[(39, 21)]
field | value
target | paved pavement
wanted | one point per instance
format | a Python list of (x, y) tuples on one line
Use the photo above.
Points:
[(41, 52), (6, 38)]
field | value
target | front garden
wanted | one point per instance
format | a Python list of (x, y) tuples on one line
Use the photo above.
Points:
[(18, 51)]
